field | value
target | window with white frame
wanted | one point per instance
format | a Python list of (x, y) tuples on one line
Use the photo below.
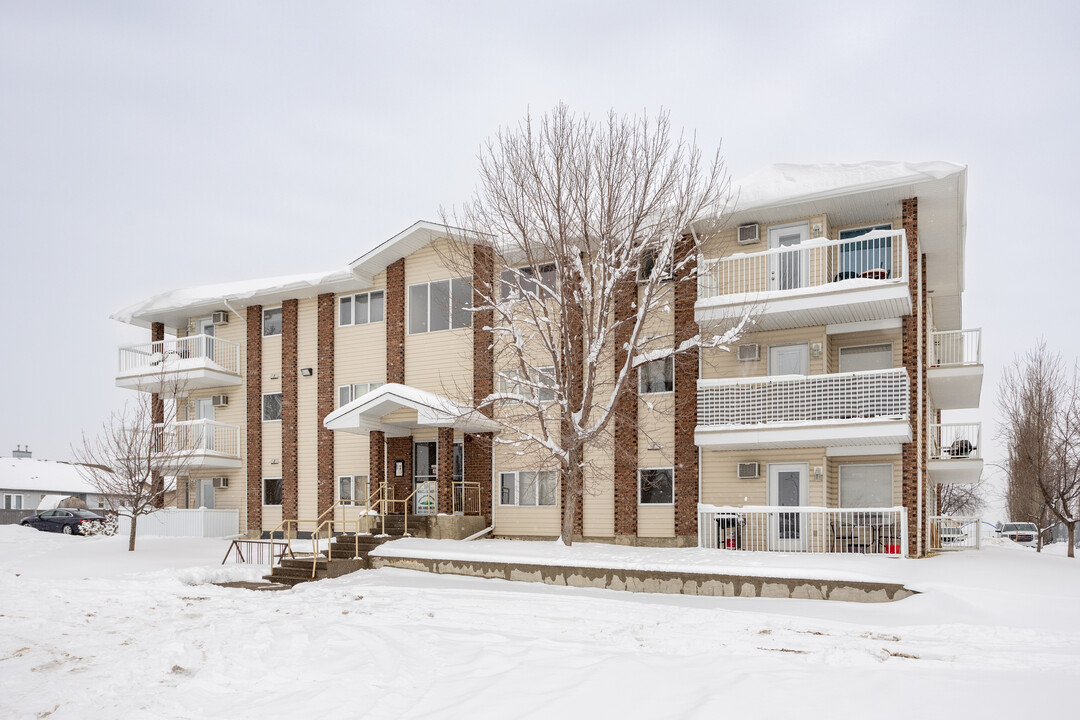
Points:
[(864, 486), (272, 491), (529, 280), (361, 308), (657, 376), (528, 488), (510, 383), (866, 357), (648, 265), (440, 305), (353, 488), (13, 501), (656, 486), (348, 393), (271, 321), (271, 407)]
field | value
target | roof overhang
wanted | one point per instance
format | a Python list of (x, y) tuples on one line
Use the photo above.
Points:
[(369, 413), (405, 243)]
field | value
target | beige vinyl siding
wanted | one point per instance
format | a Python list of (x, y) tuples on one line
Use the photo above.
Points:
[(307, 412), (874, 337), (833, 473), (718, 363), (523, 521), (656, 521), (599, 501), (720, 484), (726, 243), (656, 426), (271, 517)]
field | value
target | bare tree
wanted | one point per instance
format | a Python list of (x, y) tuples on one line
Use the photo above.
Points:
[(591, 228), (1040, 407), (133, 460), (960, 498)]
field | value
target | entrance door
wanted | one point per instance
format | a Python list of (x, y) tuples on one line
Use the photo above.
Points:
[(425, 467), (204, 493), (789, 359), (788, 487), (791, 269), (203, 434)]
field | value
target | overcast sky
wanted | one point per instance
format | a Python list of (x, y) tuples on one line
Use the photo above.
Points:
[(146, 145)]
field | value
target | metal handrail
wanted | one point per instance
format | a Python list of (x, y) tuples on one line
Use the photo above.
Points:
[(464, 487), (405, 504)]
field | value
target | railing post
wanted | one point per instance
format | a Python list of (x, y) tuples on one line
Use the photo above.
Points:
[(904, 532)]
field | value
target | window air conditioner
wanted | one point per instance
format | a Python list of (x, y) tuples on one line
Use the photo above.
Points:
[(749, 351), (748, 234), (220, 483), (748, 470), (219, 400), (221, 317)]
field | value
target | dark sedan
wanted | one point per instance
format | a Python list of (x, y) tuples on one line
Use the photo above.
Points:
[(62, 520)]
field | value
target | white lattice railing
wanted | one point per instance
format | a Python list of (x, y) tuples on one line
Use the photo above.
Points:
[(955, 533), (770, 528), (201, 436), (877, 256), (165, 355), (798, 398), (956, 347), (955, 440)]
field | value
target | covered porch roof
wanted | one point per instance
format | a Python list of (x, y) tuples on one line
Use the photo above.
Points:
[(397, 410)]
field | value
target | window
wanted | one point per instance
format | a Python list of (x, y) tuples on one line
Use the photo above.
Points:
[(648, 264), (271, 491), (866, 357), (271, 407), (510, 383), (361, 308), (353, 488), (863, 258), (440, 305), (348, 393), (866, 486), (655, 486), (13, 502), (528, 488), (271, 321), (657, 376), (529, 280)]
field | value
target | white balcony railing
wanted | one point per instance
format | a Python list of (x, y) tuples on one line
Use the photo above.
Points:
[(192, 437), (955, 533), (950, 441), (863, 261), (956, 347), (864, 395), (870, 531), (180, 353)]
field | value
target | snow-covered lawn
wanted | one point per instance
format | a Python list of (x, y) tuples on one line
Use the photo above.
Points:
[(88, 630)]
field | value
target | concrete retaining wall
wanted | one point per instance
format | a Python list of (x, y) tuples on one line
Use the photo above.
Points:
[(658, 581)]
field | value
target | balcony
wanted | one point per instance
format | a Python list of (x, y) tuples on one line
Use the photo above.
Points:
[(819, 282), (955, 453), (956, 370), (179, 365), (200, 445), (794, 411)]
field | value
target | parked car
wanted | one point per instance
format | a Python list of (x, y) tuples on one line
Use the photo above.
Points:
[(953, 536), (1021, 533), (62, 520)]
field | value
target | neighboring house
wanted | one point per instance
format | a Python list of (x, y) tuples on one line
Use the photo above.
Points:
[(305, 390), (24, 482)]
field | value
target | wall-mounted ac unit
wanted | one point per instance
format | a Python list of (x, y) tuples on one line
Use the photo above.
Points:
[(749, 351), (219, 400), (748, 234), (220, 483), (221, 317), (748, 470)]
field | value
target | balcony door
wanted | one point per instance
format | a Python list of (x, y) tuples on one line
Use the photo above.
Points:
[(205, 326), (789, 359), (788, 487), (203, 434), (790, 269), (204, 493)]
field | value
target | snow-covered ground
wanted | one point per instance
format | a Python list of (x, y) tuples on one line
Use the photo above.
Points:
[(88, 630)]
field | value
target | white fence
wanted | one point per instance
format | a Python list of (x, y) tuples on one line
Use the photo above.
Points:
[(790, 398), (174, 522), (955, 533), (158, 355), (880, 255), (956, 347), (201, 436), (865, 531), (955, 440)]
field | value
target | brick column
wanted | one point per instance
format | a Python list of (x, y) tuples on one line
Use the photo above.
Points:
[(395, 322), (377, 459), (324, 371), (445, 463), (686, 376), (254, 418), (478, 447), (400, 448), (289, 414), (625, 419), (912, 461), (478, 468), (157, 417)]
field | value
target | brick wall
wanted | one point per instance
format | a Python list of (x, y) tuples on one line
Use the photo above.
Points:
[(483, 352), (289, 409), (324, 370), (399, 448), (478, 458), (686, 376), (626, 420), (157, 415), (395, 322), (911, 459), (445, 463), (377, 459), (254, 418)]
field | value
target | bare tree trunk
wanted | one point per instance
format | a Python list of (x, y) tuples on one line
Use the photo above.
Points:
[(1072, 538), (131, 535)]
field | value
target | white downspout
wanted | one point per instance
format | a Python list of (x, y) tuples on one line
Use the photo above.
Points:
[(919, 409)]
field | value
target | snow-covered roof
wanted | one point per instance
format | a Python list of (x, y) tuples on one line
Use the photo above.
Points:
[(365, 413), (42, 476)]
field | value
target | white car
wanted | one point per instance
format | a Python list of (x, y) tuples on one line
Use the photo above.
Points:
[(1021, 533)]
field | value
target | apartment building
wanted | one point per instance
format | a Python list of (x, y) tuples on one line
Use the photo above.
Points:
[(820, 430)]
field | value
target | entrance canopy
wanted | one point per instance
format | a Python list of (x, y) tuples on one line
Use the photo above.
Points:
[(397, 410)]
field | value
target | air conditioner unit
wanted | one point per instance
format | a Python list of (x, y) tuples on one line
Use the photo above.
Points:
[(219, 400), (748, 234), (748, 470), (221, 317), (220, 483), (749, 351)]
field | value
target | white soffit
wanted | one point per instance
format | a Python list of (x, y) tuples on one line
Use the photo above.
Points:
[(402, 245)]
